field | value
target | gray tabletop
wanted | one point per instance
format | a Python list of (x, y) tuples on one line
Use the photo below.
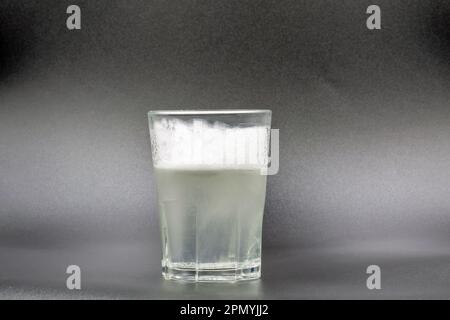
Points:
[(132, 272)]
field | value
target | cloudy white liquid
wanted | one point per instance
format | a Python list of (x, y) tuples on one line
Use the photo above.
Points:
[(211, 218), (211, 194)]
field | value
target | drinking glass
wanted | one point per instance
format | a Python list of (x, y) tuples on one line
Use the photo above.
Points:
[(210, 170)]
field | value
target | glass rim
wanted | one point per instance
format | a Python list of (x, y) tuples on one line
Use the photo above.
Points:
[(191, 112)]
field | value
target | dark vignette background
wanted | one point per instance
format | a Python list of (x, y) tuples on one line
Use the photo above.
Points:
[(364, 120)]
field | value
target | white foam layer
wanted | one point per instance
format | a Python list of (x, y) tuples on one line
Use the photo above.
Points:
[(177, 144)]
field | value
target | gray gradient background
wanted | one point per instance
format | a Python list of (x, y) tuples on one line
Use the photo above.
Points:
[(364, 120)]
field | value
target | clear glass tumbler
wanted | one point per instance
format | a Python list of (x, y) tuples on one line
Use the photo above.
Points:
[(210, 169)]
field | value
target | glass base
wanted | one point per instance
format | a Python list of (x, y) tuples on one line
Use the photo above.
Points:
[(211, 272)]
